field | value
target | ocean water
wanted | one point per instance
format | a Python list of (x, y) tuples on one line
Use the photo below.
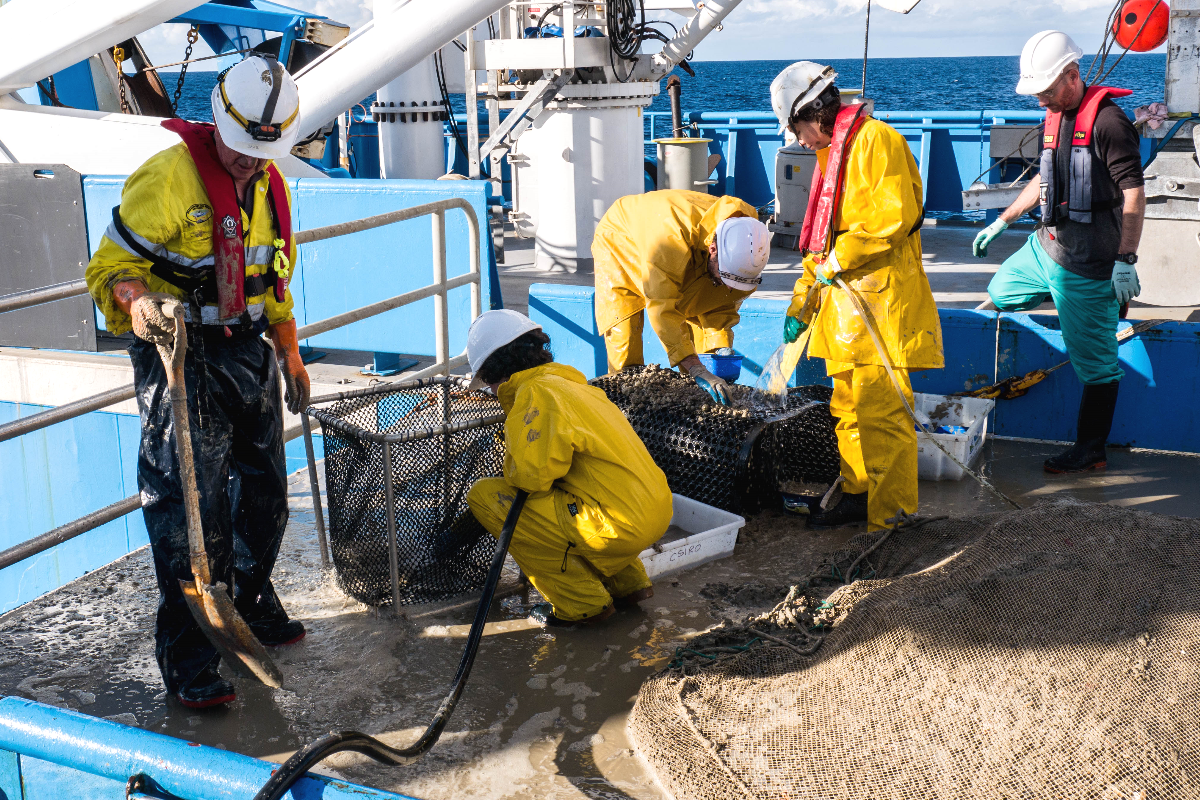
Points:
[(896, 84)]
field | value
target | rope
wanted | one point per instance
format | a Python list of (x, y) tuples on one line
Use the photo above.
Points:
[(887, 365)]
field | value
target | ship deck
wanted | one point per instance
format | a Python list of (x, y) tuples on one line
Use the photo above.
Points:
[(544, 714)]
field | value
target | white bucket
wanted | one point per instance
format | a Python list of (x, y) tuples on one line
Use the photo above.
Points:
[(970, 413)]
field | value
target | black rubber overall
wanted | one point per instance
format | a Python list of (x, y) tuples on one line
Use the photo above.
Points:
[(242, 480)]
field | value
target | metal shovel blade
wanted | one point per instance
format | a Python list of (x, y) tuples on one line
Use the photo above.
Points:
[(228, 632)]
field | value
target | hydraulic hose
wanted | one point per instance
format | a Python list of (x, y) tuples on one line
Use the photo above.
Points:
[(887, 365), (303, 760)]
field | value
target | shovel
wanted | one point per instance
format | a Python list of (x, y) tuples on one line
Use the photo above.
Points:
[(211, 604)]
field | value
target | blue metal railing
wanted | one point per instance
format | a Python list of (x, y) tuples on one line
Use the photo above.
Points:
[(951, 147), (52, 752)]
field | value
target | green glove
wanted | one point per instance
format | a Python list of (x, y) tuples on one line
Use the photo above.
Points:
[(985, 237), (792, 328)]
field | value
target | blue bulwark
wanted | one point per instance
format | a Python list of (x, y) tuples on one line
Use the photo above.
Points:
[(56, 475), (981, 348), (339, 275), (66, 754)]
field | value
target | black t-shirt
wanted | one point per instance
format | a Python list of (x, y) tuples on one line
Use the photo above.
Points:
[(1089, 250)]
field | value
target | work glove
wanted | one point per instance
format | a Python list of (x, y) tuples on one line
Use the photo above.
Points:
[(295, 380), (717, 389), (825, 269), (1125, 282), (298, 388), (153, 319), (985, 237), (792, 328)]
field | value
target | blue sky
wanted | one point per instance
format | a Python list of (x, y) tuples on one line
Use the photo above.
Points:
[(819, 29)]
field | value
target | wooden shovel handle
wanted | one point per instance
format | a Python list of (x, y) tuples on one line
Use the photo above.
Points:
[(173, 363)]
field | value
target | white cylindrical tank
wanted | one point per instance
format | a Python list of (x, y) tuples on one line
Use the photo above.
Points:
[(409, 111), (574, 163)]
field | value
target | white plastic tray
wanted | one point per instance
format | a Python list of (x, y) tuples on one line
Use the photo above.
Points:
[(969, 412), (712, 534)]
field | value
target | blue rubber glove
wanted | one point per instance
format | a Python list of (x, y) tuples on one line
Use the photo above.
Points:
[(985, 237), (717, 389), (792, 328), (1125, 282)]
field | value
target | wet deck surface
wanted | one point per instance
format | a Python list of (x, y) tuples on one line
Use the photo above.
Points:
[(544, 714)]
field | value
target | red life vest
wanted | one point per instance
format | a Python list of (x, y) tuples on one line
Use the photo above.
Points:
[(1077, 205), (825, 191), (228, 245)]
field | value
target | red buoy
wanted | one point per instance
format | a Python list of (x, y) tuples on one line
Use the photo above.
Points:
[(1141, 25)]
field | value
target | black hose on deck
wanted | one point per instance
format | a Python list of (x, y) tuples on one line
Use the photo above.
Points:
[(303, 760)]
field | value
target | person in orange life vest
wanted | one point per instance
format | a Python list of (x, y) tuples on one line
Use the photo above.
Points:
[(208, 223), (862, 226), (1093, 201)]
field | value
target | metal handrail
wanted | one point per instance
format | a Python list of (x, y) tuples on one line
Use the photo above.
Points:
[(46, 294), (439, 290)]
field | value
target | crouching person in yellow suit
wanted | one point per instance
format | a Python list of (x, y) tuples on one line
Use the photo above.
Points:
[(596, 497)]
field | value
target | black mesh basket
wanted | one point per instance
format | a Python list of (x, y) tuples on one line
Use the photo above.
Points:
[(737, 460), (411, 539)]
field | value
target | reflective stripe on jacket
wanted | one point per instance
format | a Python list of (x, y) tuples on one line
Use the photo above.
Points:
[(651, 252), (165, 206), (881, 203)]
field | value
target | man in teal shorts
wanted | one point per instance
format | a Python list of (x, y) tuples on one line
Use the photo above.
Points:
[(1082, 257)]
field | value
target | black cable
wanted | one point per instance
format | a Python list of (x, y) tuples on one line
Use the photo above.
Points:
[(295, 767), (439, 69), (1136, 36), (491, 28), (624, 32), (52, 93), (537, 31)]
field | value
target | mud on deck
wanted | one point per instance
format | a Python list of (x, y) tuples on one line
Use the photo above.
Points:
[(544, 714)]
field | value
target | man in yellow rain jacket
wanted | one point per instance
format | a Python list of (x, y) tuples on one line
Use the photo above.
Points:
[(863, 226), (688, 260), (596, 497), (208, 222)]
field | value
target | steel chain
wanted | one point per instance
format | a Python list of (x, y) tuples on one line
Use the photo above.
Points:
[(118, 57), (192, 36)]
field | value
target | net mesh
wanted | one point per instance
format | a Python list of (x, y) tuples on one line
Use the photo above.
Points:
[(442, 551), (732, 458), (1051, 652)]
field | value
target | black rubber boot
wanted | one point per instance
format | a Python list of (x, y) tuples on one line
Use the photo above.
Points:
[(207, 689), (279, 633), (851, 509), (1095, 421), (543, 614)]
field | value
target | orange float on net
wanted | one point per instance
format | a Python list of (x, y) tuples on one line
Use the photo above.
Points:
[(1141, 25)]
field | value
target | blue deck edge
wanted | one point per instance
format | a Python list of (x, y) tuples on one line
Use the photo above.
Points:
[(52, 752), (981, 347)]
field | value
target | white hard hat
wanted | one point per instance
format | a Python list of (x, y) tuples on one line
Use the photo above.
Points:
[(492, 330), (743, 247), (1044, 58), (798, 86), (256, 107)]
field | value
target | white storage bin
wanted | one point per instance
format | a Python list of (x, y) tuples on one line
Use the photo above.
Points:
[(699, 533), (948, 410)]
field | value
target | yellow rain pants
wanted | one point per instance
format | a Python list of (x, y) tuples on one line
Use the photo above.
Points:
[(565, 567), (879, 250), (651, 256), (596, 497), (877, 441)]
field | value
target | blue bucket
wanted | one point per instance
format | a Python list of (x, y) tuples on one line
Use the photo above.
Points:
[(726, 368)]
